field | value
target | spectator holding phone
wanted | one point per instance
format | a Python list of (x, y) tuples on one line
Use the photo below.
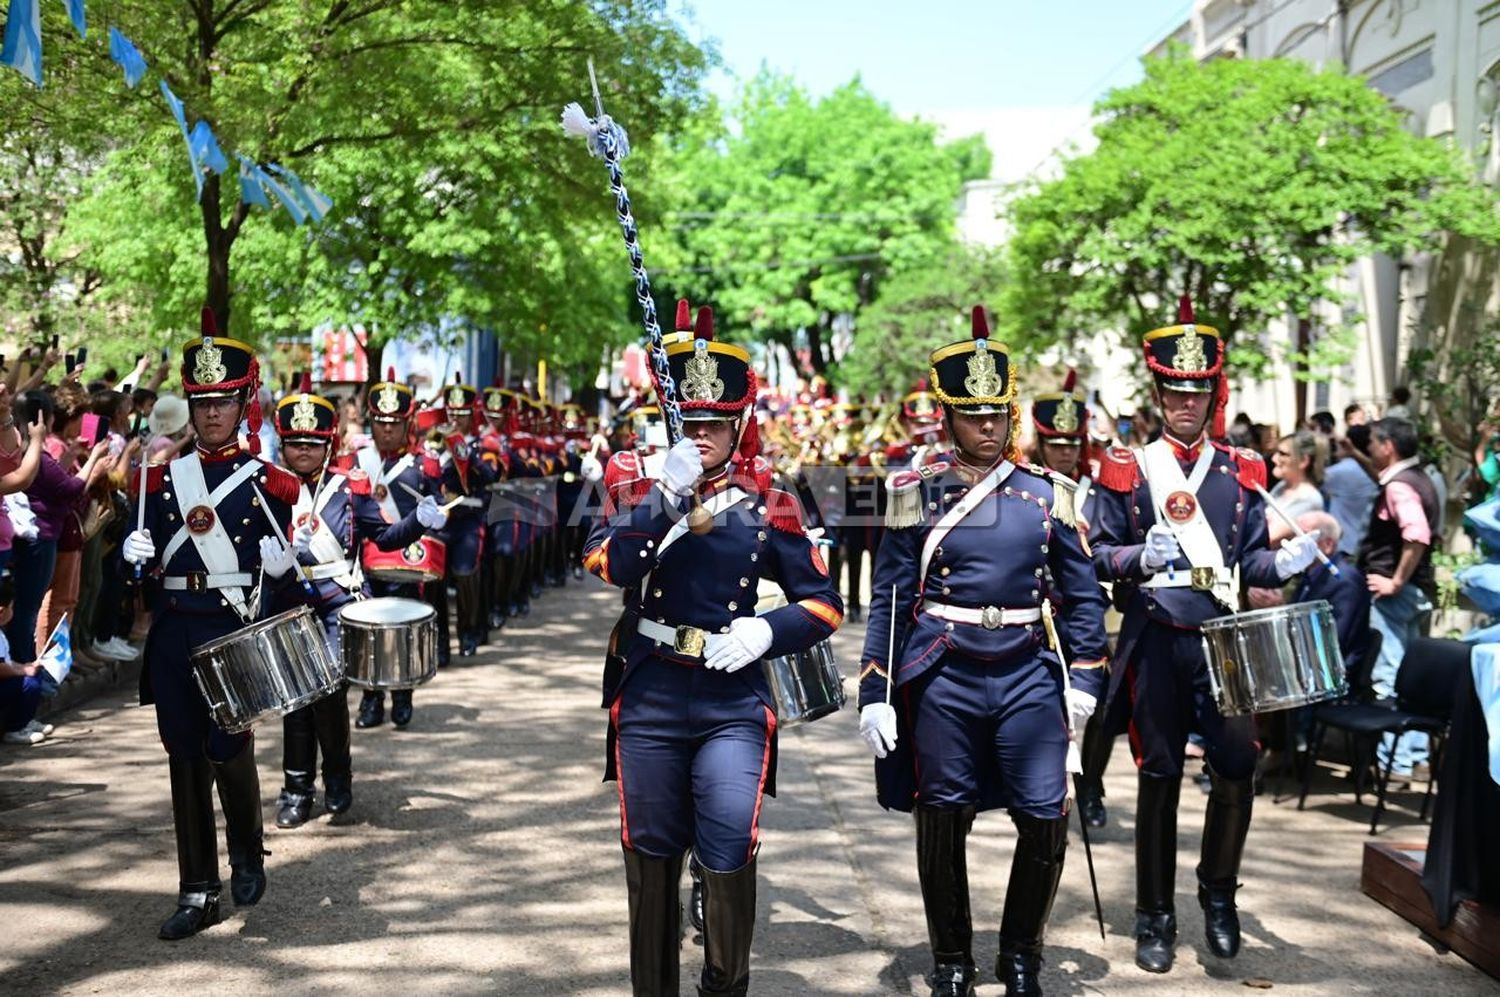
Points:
[(20, 459)]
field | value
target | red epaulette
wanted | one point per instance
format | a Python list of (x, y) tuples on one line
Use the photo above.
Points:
[(281, 484), (624, 486), (431, 467), (783, 511), (155, 473), (1249, 466), (762, 473), (359, 481), (898, 451), (1118, 470)]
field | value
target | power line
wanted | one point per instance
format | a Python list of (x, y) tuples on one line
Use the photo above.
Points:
[(772, 265)]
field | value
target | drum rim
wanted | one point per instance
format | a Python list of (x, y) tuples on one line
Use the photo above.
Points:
[(1309, 608), (428, 612), (258, 626)]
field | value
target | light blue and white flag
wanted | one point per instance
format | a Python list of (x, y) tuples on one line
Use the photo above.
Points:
[(57, 656), (75, 11), (127, 57), (22, 48), (205, 148), (316, 203), (175, 106), (252, 191)]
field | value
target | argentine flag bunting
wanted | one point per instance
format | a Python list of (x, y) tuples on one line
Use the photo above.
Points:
[(22, 49)]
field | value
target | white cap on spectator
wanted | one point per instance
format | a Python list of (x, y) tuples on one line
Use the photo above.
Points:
[(168, 416)]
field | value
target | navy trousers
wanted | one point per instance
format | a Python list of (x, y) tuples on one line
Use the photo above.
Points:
[(1170, 698), (692, 752), (974, 723), (182, 718)]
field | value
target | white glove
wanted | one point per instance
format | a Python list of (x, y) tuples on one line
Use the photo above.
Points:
[(682, 468), (430, 514), (591, 470), (877, 725), (138, 548), (301, 540), (1080, 707), (1297, 553), (276, 559), (325, 548), (1161, 548), (748, 639)]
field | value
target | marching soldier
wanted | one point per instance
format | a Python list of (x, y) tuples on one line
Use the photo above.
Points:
[(501, 526), (466, 478), (333, 514), (980, 553), (1061, 422), (692, 734), (213, 510), (400, 480), (1179, 523)]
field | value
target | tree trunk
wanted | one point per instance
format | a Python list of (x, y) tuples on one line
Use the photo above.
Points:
[(1299, 370), (815, 349), (218, 244)]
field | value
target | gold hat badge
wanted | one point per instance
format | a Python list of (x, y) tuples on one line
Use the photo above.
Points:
[(208, 367), (700, 379)]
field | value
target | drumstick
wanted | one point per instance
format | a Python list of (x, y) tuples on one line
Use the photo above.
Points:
[(890, 665), (140, 516), (452, 502), (411, 491), (1333, 569), (307, 585)]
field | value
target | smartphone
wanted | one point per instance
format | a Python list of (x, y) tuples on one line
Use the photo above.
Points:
[(68, 363), (54, 340), (83, 355), (138, 425), (90, 427), (164, 354), (1124, 426)]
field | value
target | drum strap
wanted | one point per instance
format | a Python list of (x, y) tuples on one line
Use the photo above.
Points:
[(981, 490), (217, 550), (370, 463), (1194, 532), (343, 570)]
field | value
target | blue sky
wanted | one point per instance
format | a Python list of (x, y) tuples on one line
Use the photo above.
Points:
[(1023, 72)]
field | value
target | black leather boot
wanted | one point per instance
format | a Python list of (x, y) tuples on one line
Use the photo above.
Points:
[(1096, 750), (331, 721), (728, 925), (695, 899), (655, 923), (299, 758), (1040, 846), (1224, 829), (943, 870), (1156, 872), (197, 849), (239, 795), (371, 709), (400, 707)]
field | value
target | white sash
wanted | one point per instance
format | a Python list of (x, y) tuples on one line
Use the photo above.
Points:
[(349, 576), (1081, 495), (219, 554), (370, 462), (716, 504), (1194, 535), (977, 493)]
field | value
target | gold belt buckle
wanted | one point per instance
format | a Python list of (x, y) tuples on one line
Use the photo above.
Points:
[(1204, 579), (990, 617), (197, 581), (690, 641)]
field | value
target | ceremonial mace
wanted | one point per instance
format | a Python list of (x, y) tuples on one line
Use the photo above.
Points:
[(607, 141)]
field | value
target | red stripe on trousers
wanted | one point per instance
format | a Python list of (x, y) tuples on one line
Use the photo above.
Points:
[(760, 789), (614, 721)]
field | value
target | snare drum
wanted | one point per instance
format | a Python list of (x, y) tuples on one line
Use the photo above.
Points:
[(422, 561), (1274, 659), (266, 670), (806, 685), (388, 643)]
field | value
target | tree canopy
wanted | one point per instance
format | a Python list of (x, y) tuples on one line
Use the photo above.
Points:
[(1252, 185), (793, 210), (432, 126)]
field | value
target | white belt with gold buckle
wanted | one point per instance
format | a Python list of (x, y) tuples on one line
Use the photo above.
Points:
[(684, 640), (989, 617)]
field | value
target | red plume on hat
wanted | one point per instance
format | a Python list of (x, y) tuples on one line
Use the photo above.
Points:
[(704, 327), (390, 374), (1070, 381), (1185, 311), (980, 325), (306, 386), (684, 316)]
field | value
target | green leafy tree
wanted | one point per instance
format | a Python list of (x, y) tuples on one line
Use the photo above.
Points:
[(917, 311), (432, 125), (792, 211), (1252, 185)]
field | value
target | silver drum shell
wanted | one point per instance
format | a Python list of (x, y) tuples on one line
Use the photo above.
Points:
[(806, 685), (1274, 659), (393, 654), (268, 669)]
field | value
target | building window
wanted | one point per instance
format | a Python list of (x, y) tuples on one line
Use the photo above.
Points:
[(1405, 74)]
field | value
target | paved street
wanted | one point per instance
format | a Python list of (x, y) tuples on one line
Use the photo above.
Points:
[(482, 855)]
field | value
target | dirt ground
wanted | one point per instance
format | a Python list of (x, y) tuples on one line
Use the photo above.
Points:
[(482, 855)]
